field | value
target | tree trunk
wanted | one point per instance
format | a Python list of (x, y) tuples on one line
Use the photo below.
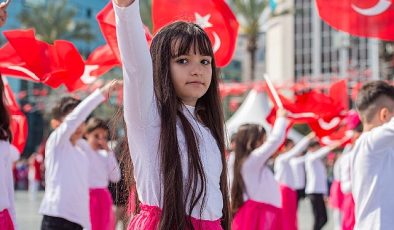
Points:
[(252, 48)]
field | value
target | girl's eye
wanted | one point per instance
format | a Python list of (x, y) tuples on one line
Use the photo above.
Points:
[(182, 61), (205, 62)]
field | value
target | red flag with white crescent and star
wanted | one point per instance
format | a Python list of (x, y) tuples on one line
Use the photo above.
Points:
[(364, 18), (214, 16)]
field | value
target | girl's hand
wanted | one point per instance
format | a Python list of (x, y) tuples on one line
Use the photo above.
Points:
[(281, 112), (123, 3), (3, 12), (113, 85)]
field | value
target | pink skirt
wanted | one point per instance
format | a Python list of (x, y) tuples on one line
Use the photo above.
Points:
[(336, 195), (289, 208), (253, 215), (348, 219), (101, 215), (5, 220), (149, 218)]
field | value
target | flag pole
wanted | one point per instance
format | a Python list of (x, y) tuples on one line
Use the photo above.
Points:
[(273, 91)]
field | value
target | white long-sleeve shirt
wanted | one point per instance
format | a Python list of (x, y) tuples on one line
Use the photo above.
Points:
[(143, 122), (283, 171), (297, 165), (372, 173), (345, 170), (103, 166), (67, 168), (316, 172), (260, 184), (7, 151)]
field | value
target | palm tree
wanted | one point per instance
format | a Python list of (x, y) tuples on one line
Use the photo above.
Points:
[(250, 12), (55, 21)]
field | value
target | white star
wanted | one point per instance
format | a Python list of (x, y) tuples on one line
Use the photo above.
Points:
[(203, 21)]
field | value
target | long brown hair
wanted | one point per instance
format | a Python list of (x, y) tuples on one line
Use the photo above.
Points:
[(187, 36), (246, 141), (5, 131)]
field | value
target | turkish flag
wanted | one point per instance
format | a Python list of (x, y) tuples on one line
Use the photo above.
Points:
[(39, 61), (214, 16), (365, 18), (19, 126), (106, 21)]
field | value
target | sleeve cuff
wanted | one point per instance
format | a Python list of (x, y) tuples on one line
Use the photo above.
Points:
[(123, 13)]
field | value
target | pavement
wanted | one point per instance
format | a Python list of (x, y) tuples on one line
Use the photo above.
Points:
[(28, 217)]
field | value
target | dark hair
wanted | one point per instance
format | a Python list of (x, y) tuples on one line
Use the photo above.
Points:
[(369, 102), (64, 107), (174, 40), (248, 136), (313, 144), (5, 119), (289, 142), (96, 123)]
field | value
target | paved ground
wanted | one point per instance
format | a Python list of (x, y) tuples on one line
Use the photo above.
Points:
[(29, 219)]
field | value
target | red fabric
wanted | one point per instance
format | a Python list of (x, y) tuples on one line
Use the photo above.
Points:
[(149, 218), (339, 93), (218, 20), (5, 220), (19, 126), (106, 21), (101, 215), (348, 212), (351, 16), (253, 215), (336, 195), (39, 61), (289, 208)]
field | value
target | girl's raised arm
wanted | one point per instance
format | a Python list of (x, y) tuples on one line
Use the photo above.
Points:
[(139, 103), (260, 155)]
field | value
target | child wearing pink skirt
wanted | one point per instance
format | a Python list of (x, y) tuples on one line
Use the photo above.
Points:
[(103, 168), (284, 176), (255, 194), (174, 124)]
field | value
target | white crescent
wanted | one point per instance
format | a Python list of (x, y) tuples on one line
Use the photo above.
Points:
[(217, 43), (329, 125), (377, 9)]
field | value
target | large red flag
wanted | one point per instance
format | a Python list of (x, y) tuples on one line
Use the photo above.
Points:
[(365, 18), (19, 126), (39, 61), (214, 16)]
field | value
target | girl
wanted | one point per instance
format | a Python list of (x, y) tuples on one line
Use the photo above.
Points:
[(66, 200), (284, 176), (103, 168), (174, 124), (7, 206), (255, 195)]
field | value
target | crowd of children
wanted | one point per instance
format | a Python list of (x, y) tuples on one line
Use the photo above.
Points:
[(176, 176)]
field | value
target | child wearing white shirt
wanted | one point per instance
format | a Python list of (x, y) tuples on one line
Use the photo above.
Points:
[(66, 201), (103, 168), (372, 160)]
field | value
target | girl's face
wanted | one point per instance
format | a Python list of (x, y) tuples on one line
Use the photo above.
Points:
[(97, 139), (191, 75)]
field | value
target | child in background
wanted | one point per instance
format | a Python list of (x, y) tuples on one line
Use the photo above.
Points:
[(7, 153), (372, 158), (255, 194), (285, 177), (316, 181), (66, 201), (103, 168)]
